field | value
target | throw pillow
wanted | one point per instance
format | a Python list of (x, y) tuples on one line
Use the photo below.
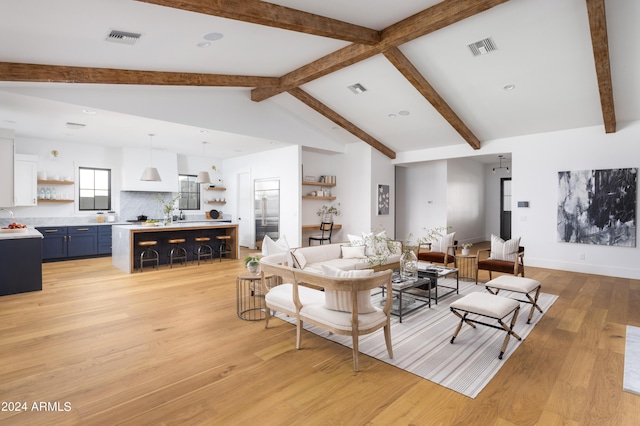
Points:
[(337, 300), (274, 247), (299, 261), (504, 250), (355, 240), (353, 252), (442, 242), (376, 245)]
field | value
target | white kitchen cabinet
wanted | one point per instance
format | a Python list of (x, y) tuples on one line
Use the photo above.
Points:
[(135, 160), (6, 172), (25, 183)]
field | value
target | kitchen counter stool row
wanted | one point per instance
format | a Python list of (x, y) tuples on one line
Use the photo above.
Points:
[(177, 248)]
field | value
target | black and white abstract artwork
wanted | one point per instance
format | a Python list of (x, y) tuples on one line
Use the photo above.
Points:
[(598, 207), (383, 199)]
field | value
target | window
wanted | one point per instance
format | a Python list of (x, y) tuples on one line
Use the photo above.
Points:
[(189, 193), (95, 189)]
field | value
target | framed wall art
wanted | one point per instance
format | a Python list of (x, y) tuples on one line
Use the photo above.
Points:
[(383, 199), (598, 207)]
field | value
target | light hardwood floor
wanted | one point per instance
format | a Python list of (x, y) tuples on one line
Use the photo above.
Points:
[(166, 347)]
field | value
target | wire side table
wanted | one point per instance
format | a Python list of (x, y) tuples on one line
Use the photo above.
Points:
[(250, 304)]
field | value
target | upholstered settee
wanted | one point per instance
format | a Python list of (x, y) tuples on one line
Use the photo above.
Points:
[(335, 300), (344, 256)]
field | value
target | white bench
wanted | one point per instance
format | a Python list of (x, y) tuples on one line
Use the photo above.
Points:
[(489, 306), (522, 285)]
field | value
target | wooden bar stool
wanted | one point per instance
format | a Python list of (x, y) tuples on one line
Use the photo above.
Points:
[(222, 245), (177, 252), (148, 254), (203, 251)]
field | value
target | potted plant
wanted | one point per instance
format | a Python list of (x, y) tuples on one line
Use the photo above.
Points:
[(465, 249), (252, 263), (326, 213)]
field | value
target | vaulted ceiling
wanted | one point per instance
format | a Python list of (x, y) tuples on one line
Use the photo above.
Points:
[(257, 75)]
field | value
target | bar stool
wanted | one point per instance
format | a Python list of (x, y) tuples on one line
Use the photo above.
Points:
[(222, 247), (177, 252), (203, 251), (148, 254)]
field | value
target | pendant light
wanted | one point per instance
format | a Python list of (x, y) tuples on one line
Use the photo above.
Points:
[(203, 176), (151, 173)]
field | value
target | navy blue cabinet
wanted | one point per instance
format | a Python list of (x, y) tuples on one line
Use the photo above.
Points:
[(70, 241), (82, 241), (104, 239), (20, 265), (54, 243)]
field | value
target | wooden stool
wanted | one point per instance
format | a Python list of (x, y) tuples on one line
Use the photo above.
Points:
[(203, 251), (148, 254), (177, 252), (489, 306), (515, 284), (222, 245)]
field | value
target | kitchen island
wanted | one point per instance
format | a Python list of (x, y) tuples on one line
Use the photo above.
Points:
[(126, 237), (20, 261)]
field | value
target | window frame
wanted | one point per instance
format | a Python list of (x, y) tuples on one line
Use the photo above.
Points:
[(109, 189), (184, 195)]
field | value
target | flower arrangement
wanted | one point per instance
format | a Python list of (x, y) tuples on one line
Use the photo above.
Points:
[(325, 210), (168, 206), (467, 246)]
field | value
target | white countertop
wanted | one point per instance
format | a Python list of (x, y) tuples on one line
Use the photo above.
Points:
[(177, 225), (31, 233)]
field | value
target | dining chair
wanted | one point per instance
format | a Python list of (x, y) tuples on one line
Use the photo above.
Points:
[(326, 228)]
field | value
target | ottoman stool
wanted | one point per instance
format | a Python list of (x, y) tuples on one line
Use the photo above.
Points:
[(489, 306), (517, 285)]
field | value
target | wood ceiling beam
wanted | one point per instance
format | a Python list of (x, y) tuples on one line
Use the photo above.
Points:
[(321, 108), (422, 23), (273, 15), (11, 71), (600, 42), (402, 63)]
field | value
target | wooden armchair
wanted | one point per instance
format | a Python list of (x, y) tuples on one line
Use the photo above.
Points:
[(425, 254), (516, 267)]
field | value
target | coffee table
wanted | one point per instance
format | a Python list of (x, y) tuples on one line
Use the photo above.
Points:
[(411, 295)]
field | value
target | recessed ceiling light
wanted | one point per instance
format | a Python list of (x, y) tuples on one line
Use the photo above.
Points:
[(357, 88), (204, 44), (405, 113), (204, 131), (213, 36), (509, 87), (391, 115), (88, 111)]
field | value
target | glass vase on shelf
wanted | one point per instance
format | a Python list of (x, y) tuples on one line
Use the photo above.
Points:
[(409, 265)]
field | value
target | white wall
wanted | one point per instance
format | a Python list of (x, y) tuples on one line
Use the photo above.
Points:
[(466, 208), (536, 161), (282, 164), (382, 173)]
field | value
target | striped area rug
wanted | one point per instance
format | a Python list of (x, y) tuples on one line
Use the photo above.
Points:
[(421, 343)]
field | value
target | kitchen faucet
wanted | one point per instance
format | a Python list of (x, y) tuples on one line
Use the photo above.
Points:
[(10, 212)]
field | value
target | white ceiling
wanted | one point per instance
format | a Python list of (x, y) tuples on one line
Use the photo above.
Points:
[(544, 49)]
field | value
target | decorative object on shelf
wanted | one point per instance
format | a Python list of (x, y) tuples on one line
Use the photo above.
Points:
[(465, 249), (168, 208), (309, 178), (408, 265), (203, 176), (327, 213), (253, 264), (151, 173)]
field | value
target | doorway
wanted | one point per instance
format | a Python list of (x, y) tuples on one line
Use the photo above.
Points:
[(505, 208)]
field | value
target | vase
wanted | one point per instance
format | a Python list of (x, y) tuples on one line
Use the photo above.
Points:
[(465, 252), (327, 218), (253, 266), (409, 266), (168, 219)]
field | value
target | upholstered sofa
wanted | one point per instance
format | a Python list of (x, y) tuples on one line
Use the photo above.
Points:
[(344, 256), (334, 299)]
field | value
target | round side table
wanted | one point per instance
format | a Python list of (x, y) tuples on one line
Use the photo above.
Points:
[(467, 265), (250, 304)]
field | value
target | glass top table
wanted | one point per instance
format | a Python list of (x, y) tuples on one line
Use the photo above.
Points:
[(411, 295)]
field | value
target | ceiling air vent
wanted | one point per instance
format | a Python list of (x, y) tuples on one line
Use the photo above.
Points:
[(483, 47), (75, 126), (123, 37)]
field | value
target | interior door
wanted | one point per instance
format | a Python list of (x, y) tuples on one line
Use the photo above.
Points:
[(505, 208), (245, 199)]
